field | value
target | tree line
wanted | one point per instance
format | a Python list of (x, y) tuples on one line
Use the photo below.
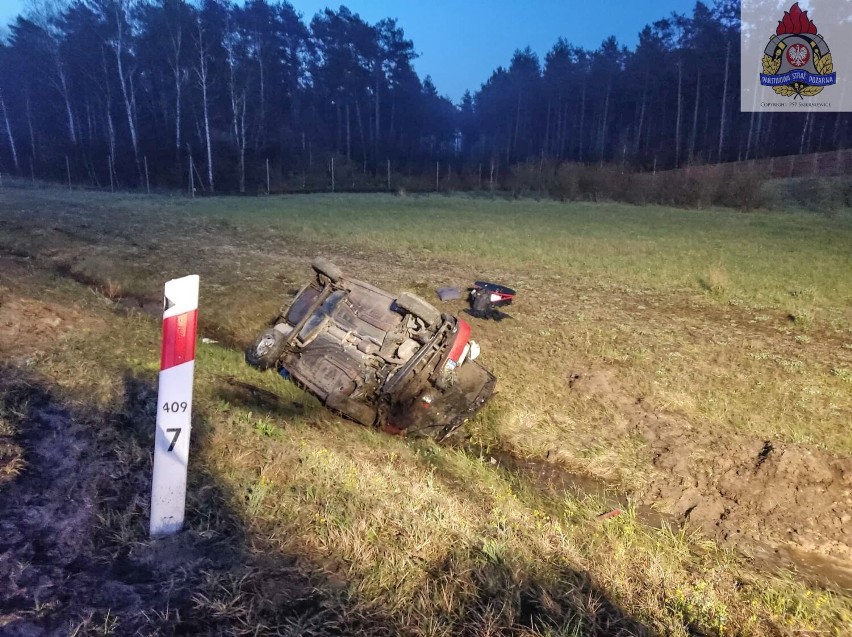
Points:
[(243, 97)]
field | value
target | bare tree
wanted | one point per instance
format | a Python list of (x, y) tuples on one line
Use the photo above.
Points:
[(175, 29), (641, 116), (808, 124), (62, 86), (604, 121), (724, 100), (108, 108), (120, 13), (9, 134), (238, 108), (750, 132), (29, 114), (43, 13), (202, 74), (695, 116), (677, 119)]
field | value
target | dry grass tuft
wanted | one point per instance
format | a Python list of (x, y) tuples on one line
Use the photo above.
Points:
[(112, 289), (716, 281), (12, 461)]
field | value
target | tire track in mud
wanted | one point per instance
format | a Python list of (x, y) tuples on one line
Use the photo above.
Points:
[(779, 501)]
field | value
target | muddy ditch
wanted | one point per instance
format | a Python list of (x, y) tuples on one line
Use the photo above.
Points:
[(819, 569), (119, 300)]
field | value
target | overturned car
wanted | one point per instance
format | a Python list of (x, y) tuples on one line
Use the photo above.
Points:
[(393, 362)]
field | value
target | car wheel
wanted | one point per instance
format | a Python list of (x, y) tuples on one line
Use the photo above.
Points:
[(321, 265), (266, 350), (418, 307)]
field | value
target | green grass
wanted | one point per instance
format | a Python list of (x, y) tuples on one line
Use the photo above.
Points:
[(764, 257), (736, 324), (779, 259)]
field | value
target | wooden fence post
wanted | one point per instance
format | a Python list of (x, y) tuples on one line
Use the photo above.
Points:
[(147, 179), (332, 174), (68, 171), (437, 175), (267, 175), (389, 175)]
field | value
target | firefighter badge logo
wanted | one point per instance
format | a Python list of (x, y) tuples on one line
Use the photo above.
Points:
[(797, 61)]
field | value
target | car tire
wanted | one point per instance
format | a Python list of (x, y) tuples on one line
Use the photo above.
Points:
[(266, 349), (420, 308), (321, 265)]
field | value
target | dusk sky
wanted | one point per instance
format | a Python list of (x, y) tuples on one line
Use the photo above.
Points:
[(461, 43)]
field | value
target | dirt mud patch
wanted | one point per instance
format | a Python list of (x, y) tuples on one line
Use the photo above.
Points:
[(74, 552), (34, 316), (30, 326), (792, 501)]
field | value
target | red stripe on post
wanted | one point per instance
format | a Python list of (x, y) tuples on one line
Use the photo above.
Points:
[(178, 339)]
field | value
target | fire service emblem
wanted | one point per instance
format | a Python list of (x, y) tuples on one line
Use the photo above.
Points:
[(797, 61)]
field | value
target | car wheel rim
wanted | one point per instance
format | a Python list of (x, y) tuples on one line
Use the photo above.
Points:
[(264, 346)]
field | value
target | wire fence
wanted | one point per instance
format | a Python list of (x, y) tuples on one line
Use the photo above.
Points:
[(827, 164)]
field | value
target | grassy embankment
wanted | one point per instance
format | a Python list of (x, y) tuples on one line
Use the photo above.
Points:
[(734, 323)]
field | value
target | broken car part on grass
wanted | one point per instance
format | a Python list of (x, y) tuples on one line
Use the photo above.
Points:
[(394, 362), (486, 298)]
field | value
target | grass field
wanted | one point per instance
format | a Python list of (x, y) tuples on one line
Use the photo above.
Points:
[(691, 368)]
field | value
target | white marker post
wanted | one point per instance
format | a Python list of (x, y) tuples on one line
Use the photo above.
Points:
[(174, 406)]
